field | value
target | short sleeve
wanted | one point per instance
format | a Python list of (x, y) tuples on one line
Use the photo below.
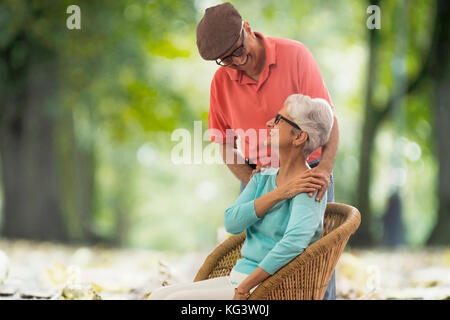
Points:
[(310, 79), (242, 213), (219, 127)]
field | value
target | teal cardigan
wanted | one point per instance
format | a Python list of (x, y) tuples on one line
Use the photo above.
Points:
[(282, 233)]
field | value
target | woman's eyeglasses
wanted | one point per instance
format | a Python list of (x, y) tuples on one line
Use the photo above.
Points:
[(278, 117), (239, 51)]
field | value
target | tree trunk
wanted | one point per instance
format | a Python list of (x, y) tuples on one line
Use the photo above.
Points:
[(374, 116), (370, 124), (76, 164), (31, 191), (363, 237), (440, 72)]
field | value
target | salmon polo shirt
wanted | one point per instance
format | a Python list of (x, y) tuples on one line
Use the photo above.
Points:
[(238, 103)]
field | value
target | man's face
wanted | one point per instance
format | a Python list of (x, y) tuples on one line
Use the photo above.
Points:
[(246, 62)]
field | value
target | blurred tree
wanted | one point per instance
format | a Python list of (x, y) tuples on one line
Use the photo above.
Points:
[(59, 85), (31, 188), (439, 72), (376, 112)]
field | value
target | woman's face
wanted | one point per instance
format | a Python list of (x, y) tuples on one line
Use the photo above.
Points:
[(280, 133)]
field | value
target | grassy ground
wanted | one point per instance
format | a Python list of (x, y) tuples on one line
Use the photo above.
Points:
[(52, 271)]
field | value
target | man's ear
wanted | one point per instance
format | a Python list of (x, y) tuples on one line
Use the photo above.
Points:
[(247, 28)]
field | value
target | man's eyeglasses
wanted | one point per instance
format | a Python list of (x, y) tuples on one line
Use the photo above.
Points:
[(239, 51), (278, 117)]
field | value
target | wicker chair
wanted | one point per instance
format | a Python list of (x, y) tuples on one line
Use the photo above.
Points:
[(307, 276)]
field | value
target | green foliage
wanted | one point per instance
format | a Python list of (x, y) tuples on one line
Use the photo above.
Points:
[(132, 75)]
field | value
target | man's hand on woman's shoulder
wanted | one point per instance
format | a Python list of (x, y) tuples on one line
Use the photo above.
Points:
[(324, 176)]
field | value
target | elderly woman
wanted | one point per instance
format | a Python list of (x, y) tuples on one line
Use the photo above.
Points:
[(279, 217)]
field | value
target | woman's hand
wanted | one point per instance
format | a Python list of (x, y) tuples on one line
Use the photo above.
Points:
[(242, 292), (240, 295), (309, 182)]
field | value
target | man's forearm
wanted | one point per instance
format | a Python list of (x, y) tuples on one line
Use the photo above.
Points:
[(237, 164), (329, 150), (241, 171)]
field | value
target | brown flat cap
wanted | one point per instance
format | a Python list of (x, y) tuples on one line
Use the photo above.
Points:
[(218, 30)]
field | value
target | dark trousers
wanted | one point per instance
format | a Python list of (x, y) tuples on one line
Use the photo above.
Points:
[(330, 294)]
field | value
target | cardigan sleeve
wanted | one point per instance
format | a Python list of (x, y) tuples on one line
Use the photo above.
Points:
[(242, 213), (306, 217)]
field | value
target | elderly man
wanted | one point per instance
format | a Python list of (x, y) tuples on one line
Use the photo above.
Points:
[(257, 74)]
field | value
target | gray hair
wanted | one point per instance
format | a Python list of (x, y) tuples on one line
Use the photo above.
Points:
[(313, 116)]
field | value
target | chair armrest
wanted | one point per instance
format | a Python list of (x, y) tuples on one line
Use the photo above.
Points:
[(304, 277), (225, 253)]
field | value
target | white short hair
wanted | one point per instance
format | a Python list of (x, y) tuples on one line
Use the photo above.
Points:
[(313, 116)]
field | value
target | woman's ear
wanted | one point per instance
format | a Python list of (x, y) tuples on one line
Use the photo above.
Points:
[(300, 138)]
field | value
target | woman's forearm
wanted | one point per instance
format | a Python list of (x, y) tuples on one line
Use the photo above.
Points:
[(253, 279), (241, 215), (266, 202)]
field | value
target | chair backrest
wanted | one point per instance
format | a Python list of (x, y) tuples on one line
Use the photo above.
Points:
[(334, 217)]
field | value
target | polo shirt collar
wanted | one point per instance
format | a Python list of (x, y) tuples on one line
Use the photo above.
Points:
[(237, 75)]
